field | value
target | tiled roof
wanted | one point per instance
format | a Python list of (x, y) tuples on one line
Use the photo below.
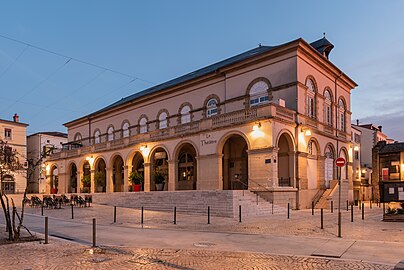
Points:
[(318, 45), (51, 133), (385, 148)]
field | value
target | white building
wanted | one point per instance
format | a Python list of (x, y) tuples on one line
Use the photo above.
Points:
[(37, 145)]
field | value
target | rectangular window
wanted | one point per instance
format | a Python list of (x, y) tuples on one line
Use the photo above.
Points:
[(7, 133), (356, 154)]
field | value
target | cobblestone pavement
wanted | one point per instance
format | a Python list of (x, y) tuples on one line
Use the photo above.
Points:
[(64, 255), (301, 223)]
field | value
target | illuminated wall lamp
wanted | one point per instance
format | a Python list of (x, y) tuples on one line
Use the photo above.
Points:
[(356, 148), (143, 147), (89, 158), (256, 126)]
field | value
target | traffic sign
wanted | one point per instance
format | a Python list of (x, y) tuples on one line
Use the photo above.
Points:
[(340, 162)]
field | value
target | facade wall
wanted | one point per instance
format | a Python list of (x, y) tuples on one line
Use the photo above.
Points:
[(35, 148), (18, 143), (268, 142)]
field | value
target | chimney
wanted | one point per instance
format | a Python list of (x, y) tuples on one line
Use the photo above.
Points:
[(380, 128), (16, 118)]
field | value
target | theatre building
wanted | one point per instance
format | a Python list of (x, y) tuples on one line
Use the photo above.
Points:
[(271, 120)]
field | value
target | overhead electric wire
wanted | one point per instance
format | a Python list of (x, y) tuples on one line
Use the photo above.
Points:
[(71, 93), (15, 60), (74, 59), (38, 85)]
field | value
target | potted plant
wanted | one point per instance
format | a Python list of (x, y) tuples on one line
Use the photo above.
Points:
[(55, 187), (136, 180), (159, 179), (73, 184), (99, 179), (86, 181)]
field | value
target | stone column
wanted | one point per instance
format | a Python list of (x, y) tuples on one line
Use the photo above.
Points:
[(62, 185), (78, 182), (172, 179), (146, 176), (92, 172), (48, 179), (126, 172), (108, 178), (292, 168), (321, 172)]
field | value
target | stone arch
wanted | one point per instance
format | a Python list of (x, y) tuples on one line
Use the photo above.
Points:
[(227, 135), (329, 164), (127, 134), (234, 151), (286, 158), (328, 89), (100, 174), (158, 118), (252, 83), (184, 104), (72, 177), (117, 164), (317, 144), (159, 178), (153, 149), (205, 104), (54, 178), (311, 77), (185, 155), (290, 136)]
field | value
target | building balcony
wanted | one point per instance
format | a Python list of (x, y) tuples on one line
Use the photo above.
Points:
[(90, 145)]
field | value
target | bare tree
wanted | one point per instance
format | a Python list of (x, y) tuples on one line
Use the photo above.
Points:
[(10, 163)]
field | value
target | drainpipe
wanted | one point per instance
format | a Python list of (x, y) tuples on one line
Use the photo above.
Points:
[(89, 131), (338, 175)]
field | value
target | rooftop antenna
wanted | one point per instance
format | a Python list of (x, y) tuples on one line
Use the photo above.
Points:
[(259, 44), (324, 35)]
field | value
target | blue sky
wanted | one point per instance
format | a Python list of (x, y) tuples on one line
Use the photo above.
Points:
[(155, 41)]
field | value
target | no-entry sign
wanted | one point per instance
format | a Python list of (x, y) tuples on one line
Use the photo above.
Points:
[(340, 162)]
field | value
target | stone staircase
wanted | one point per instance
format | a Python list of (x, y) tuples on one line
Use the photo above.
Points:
[(223, 203), (332, 194), (253, 205)]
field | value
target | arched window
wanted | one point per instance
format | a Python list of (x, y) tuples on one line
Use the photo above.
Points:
[(259, 93), (341, 115), (125, 130), (211, 107), (78, 137), (143, 125), (97, 135), (185, 114), (311, 148), (110, 132), (163, 120), (327, 108), (311, 99)]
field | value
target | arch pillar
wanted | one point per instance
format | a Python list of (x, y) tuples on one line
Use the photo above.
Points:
[(146, 176), (172, 179), (126, 170), (62, 186), (108, 178), (292, 167), (92, 188), (48, 188), (78, 180)]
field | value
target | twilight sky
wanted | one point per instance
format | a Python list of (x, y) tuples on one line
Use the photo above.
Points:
[(132, 45)]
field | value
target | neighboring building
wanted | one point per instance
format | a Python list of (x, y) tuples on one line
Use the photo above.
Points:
[(38, 144), (14, 133), (388, 171), (360, 188), (271, 120), (370, 136)]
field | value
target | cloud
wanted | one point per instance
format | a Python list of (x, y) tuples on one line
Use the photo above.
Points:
[(393, 124)]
